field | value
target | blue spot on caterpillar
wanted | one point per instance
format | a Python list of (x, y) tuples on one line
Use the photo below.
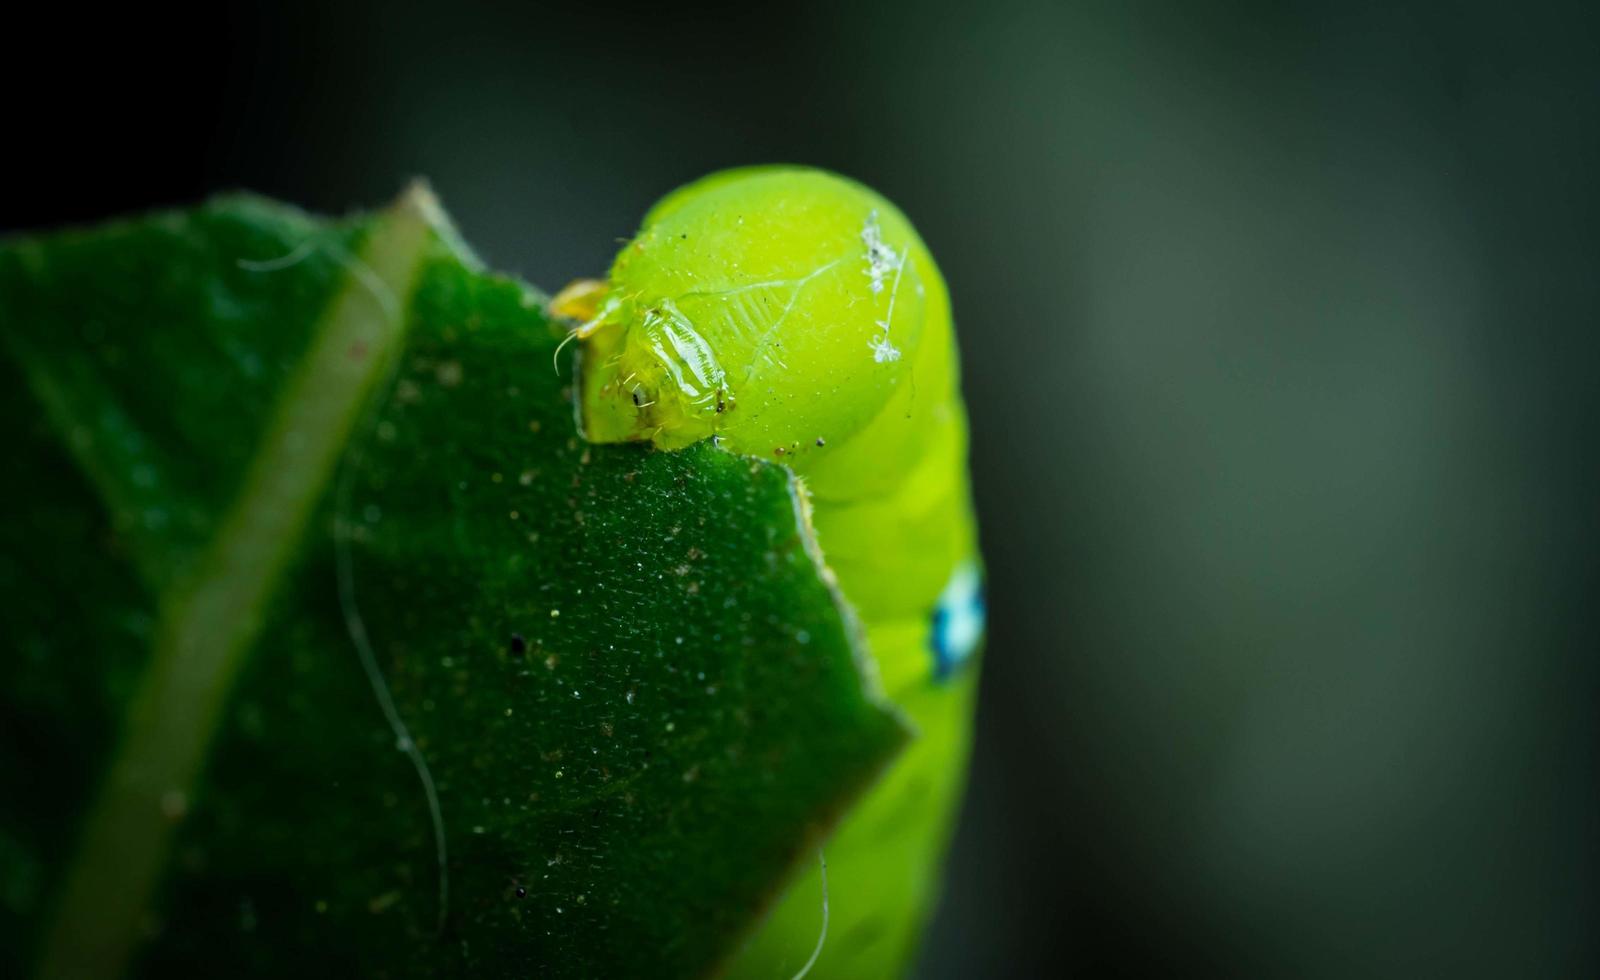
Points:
[(958, 622)]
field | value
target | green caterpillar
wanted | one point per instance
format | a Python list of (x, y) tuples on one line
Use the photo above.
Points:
[(792, 314)]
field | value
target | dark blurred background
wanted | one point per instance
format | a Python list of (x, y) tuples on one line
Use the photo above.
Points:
[(1279, 324)]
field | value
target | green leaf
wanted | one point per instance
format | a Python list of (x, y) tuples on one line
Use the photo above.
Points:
[(331, 647)]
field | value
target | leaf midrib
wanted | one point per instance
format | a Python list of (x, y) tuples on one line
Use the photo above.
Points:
[(208, 623)]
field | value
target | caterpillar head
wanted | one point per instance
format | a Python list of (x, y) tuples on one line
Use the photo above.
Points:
[(777, 308)]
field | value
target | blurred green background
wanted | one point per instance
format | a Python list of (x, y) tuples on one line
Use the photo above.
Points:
[(1279, 334)]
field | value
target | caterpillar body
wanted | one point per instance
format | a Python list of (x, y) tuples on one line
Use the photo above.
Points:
[(795, 315)]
